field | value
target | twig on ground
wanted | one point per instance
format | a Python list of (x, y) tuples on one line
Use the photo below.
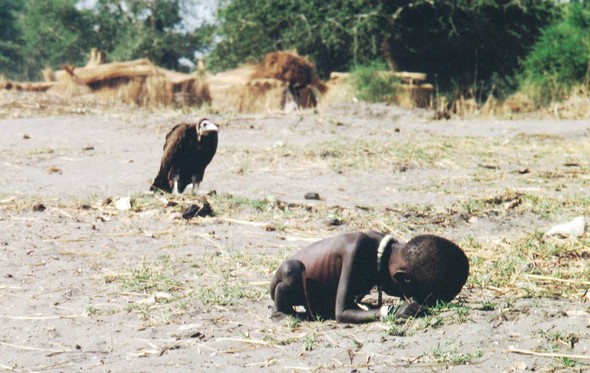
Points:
[(223, 249), (548, 278), (11, 369), (29, 348), (545, 354), (62, 212), (252, 341), (41, 317), (330, 339), (243, 222)]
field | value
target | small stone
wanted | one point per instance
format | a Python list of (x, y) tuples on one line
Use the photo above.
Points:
[(196, 210), (189, 331), (123, 203), (312, 195), (39, 207), (333, 222)]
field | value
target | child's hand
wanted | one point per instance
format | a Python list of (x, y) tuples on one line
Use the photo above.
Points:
[(409, 309), (406, 310)]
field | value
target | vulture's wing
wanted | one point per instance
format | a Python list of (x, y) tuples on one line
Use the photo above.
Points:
[(174, 140)]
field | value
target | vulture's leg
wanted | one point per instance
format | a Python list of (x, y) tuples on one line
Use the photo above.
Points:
[(196, 185), (175, 187)]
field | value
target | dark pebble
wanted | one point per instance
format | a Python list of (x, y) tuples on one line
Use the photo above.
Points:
[(39, 207), (312, 195)]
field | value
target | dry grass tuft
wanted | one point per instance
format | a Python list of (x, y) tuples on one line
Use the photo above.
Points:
[(136, 82)]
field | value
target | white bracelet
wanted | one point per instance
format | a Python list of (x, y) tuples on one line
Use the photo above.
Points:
[(384, 312)]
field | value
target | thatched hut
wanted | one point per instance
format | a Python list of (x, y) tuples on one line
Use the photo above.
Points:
[(280, 77), (138, 82)]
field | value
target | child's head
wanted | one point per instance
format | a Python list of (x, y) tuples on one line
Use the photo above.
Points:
[(429, 268)]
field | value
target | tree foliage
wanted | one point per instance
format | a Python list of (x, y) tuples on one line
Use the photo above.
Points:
[(56, 32), (461, 44), (10, 37), (147, 28), (466, 45), (560, 59), (335, 34)]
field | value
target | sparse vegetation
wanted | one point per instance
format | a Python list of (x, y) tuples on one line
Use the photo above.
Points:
[(372, 87), (449, 355), (534, 266), (310, 342), (558, 61), (457, 312), (149, 278), (149, 286)]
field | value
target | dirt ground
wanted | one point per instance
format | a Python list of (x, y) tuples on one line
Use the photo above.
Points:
[(87, 286)]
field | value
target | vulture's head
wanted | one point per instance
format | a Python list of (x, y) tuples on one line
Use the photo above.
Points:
[(207, 127)]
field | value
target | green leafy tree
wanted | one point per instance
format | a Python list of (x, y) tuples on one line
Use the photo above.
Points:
[(334, 34), (469, 47), (152, 29), (55, 32), (560, 59), (10, 39), (460, 44), (60, 32)]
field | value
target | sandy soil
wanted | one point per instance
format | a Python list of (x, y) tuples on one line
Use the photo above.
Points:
[(85, 286)]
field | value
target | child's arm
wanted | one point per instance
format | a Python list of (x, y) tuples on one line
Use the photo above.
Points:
[(346, 310)]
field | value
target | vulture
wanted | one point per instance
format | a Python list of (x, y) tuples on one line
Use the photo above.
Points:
[(188, 149)]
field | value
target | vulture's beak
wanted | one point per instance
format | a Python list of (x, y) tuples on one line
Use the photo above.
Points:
[(206, 126)]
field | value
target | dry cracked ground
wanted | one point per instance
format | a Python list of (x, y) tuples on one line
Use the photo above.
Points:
[(88, 286)]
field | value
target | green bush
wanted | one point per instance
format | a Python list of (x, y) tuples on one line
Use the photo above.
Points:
[(370, 86), (559, 59), (467, 48)]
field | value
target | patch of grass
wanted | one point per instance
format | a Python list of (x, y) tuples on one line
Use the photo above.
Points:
[(558, 59), (94, 311), (144, 310), (348, 155), (394, 328), (533, 265), (458, 311), (261, 264), (488, 306), (162, 295), (310, 342), (91, 310), (266, 210), (225, 279), (473, 207), (229, 203), (559, 339), (292, 323), (371, 84), (428, 321), (38, 154), (148, 277), (449, 355), (471, 242), (365, 154), (227, 292), (566, 362)]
